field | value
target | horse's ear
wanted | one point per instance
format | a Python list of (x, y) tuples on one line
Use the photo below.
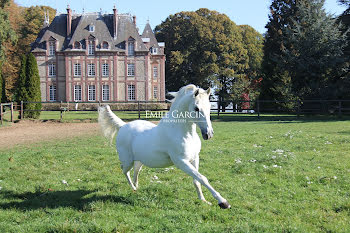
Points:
[(196, 92), (208, 91)]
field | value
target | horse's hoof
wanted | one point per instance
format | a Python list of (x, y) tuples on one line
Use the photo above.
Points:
[(224, 205), (207, 202)]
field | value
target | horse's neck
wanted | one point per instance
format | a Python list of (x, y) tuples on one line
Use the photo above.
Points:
[(179, 122)]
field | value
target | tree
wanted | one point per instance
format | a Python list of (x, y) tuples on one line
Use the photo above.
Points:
[(6, 32), (253, 42), (276, 84), (29, 86), (345, 3), (315, 61), (1, 89), (33, 87), (33, 19), (203, 47), (22, 94)]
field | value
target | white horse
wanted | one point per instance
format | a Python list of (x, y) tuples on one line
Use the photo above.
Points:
[(174, 141)]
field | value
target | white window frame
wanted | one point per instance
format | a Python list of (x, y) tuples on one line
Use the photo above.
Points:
[(52, 48), (131, 69), (91, 28), (105, 93), (131, 92), (105, 69), (77, 93), (92, 93), (52, 70), (77, 69), (91, 48), (131, 48), (91, 69), (155, 72), (155, 92), (52, 93)]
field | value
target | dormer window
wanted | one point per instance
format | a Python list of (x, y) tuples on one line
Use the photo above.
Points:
[(77, 45), (154, 50), (131, 47), (91, 28), (105, 45), (52, 48)]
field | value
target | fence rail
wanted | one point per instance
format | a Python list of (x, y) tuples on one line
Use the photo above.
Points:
[(257, 107)]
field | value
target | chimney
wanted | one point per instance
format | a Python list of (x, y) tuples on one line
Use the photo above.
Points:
[(115, 22), (69, 21), (134, 19), (47, 19)]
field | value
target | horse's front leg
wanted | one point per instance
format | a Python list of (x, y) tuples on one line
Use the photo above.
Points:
[(196, 183), (188, 168)]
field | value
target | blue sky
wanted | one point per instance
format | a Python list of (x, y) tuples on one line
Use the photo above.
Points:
[(252, 12)]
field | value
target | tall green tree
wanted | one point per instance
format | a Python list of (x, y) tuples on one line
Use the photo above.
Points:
[(203, 47), (315, 61), (276, 84), (33, 87)]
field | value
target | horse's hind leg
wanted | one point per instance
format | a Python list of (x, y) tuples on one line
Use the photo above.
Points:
[(126, 165), (137, 169), (126, 171)]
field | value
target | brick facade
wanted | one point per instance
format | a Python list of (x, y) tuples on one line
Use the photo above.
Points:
[(99, 57)]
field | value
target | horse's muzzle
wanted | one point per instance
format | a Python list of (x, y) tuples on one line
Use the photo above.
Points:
[(207, 134)]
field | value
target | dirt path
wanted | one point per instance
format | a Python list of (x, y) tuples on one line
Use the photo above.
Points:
[(27, 132)]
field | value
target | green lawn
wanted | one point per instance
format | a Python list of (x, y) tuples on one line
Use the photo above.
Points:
[(279, 176)]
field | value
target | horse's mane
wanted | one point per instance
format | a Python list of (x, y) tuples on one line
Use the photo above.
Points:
[(182, 92)]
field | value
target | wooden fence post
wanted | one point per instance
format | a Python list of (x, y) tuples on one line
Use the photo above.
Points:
[(22, 110), (339, 110), (258, 107), (11, 111), (218, 106), (1, 114)]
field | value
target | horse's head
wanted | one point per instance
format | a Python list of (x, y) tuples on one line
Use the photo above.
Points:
[(200, 106)]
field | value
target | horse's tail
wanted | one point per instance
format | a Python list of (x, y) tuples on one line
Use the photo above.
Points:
[(109, 122)]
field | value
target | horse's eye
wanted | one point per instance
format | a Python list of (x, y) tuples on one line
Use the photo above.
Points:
[(196, 109)]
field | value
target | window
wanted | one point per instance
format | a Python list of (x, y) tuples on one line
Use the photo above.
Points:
[(155, 92), (105, 92), (77, 45), (91, 69), (131, 92), (52, 93), (52, 48), (91, 50), (91, 28), (105, 70), (52, 70), (154, 50), (131, 69), (77, 69), (131, 48), (105, 45), (77, 93), (92, 93), (155, 72)]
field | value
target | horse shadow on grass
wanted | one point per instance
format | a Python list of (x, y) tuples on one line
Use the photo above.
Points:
[(77, 199)]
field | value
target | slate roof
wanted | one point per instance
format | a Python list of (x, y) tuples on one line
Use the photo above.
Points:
[(148, 33), (103, 32)]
